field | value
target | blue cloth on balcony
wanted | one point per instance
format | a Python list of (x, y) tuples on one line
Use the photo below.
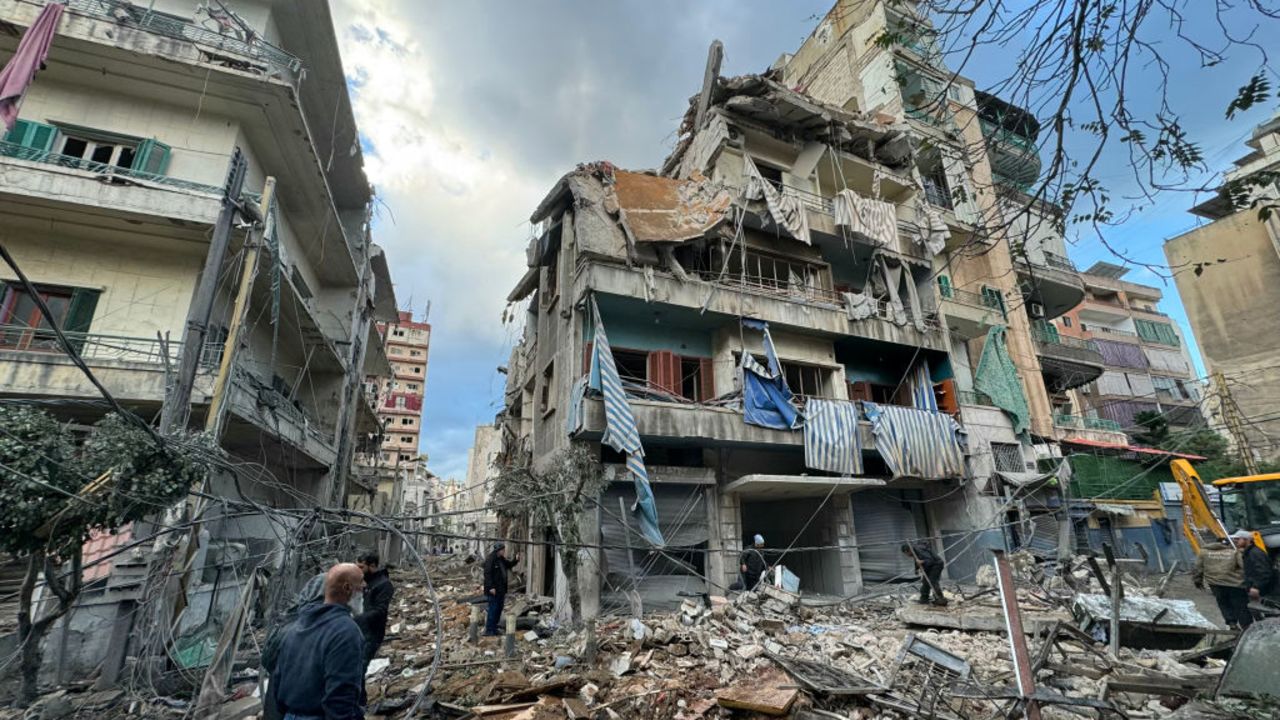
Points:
[(620, 432), (997, 378), (766, 399), (922, 395), (916, 443), (831, 440), (576, 416)]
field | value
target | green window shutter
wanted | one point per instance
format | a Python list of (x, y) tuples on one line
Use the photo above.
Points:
[(152, 157), (944, 286), (37, 136), (993, 298), (80, 314)]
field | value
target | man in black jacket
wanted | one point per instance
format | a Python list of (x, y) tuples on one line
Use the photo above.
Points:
[(930, 566), (1257, 571), (496, 566), (378, 591), (319, 672)]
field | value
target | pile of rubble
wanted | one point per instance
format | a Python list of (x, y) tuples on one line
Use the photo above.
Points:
[(762, 654)]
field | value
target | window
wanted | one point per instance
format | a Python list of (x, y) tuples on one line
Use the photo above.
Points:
[(412, 386), (88, 148), (548, 378), (632, 365), (24, 327), (1008, 457), (1156, 332), (686, 376), (400, 403), (1066, 321), (417, 371), (406, 421), (805, 380), (933, 175), (386, 457), (386, 421), (397, 332), (769, 172), (100, 151), (551, 274), (415, 353)]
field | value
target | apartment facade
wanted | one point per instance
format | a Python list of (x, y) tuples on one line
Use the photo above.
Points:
[(809, 238), (398, 396), (113, 181), (1227, 271), (1147, 366)]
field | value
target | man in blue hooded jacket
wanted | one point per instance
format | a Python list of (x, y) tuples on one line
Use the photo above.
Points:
[(319, 673)]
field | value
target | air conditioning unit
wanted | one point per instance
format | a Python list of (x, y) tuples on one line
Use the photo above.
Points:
[(1036, 310)]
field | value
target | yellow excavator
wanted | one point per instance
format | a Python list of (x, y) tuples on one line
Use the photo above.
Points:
[(1250, 502)]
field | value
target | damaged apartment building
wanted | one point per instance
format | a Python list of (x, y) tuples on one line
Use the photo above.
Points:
[(112, 186), (816, 322)]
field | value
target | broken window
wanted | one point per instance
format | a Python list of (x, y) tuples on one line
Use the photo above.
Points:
[(933, 175), (806, 381), (548, 377), (633, 365), (689, 377)]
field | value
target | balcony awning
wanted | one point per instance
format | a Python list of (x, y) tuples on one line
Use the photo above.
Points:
[(1130, 448), (791, 486)]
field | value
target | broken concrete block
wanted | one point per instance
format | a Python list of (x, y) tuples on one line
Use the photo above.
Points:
[(639, 631), (749, 652), (718, 643), (376, 666), (620, 665), (530, 636), (771, 694)]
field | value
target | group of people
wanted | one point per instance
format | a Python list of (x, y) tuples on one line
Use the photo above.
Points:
[(317, 655), (1237, 572)]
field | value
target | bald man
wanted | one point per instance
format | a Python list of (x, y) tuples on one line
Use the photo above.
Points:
[(319, 673)]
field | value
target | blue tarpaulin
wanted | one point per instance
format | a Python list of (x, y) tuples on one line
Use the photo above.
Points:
[(766, 399), (620, 432), (916, 443), (831, 439)]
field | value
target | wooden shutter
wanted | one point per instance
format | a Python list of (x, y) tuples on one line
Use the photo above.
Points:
[(80, 314), (706, 380), (34, 135), (948, 400), (152, 157), (664, 371), (586, 356), (860, 390)]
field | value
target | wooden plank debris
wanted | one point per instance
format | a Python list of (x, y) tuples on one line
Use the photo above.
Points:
[(769, 694)]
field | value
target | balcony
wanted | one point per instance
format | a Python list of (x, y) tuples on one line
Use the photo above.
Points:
[(1051, 281), (46, 178), (231, 50), (1107, 333), (809, 310), (1014, 157), (1066, 362), (133, 369), (969, 315), (1085, 423)]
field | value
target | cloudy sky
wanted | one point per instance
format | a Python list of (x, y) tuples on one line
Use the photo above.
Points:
[(471, 110)]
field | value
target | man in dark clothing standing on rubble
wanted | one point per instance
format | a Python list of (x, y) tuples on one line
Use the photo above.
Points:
[(1257, 571), (318, 674), (751, 565), (930, 566), (378, 592), (496, 566)]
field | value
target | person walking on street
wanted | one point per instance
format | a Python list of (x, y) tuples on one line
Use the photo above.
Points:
[(496, 566), (378, 592), (929, 566), (312, 593), (1257, 571), (319, 672), (1219, 566), (751, 565)]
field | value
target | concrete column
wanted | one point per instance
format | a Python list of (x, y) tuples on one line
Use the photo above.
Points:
[(730, 535), (716, 561), (847, 539)]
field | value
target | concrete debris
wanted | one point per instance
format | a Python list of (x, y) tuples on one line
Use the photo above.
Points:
[(754, 654)]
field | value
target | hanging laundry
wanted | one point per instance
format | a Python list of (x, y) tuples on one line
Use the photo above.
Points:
[(997, 378), (934, 234), (576, 417), (892, 283), (916, 443), (875, 220), (831, 440), (859, 305), (786, 210), (620, 432), (21, 69), (766, 399)]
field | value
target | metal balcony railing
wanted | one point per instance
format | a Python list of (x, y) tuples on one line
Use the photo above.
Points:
[(1086, 423), (21, 152), (1059, 262), (968, 297), (97, 347), (230, 44), (773, 286), (809, 199), (1112, 331), (998, 134), (1050, 338)]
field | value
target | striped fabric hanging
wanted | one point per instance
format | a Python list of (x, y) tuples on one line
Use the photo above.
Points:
[(916, 443), (831, 440), (922, 395), (620, 431)]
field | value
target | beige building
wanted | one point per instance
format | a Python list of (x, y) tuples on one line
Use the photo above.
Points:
[(111, 184), (1228, 276), (867, 226), (481, 521), (398, 396)]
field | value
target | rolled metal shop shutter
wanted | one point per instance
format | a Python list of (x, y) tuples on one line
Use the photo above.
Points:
[(882, 522)]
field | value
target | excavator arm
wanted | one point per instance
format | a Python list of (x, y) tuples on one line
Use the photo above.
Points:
[(1197, 515)]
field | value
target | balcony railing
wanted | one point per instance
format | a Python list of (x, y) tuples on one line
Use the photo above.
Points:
[(96, 347), (796, 292), (939, 118), (1051, 338), (968, 297), (1112, 331), (998, 134), (1086, 423), (21, 152), (1058, 262), (973, 397), (253, 49)]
